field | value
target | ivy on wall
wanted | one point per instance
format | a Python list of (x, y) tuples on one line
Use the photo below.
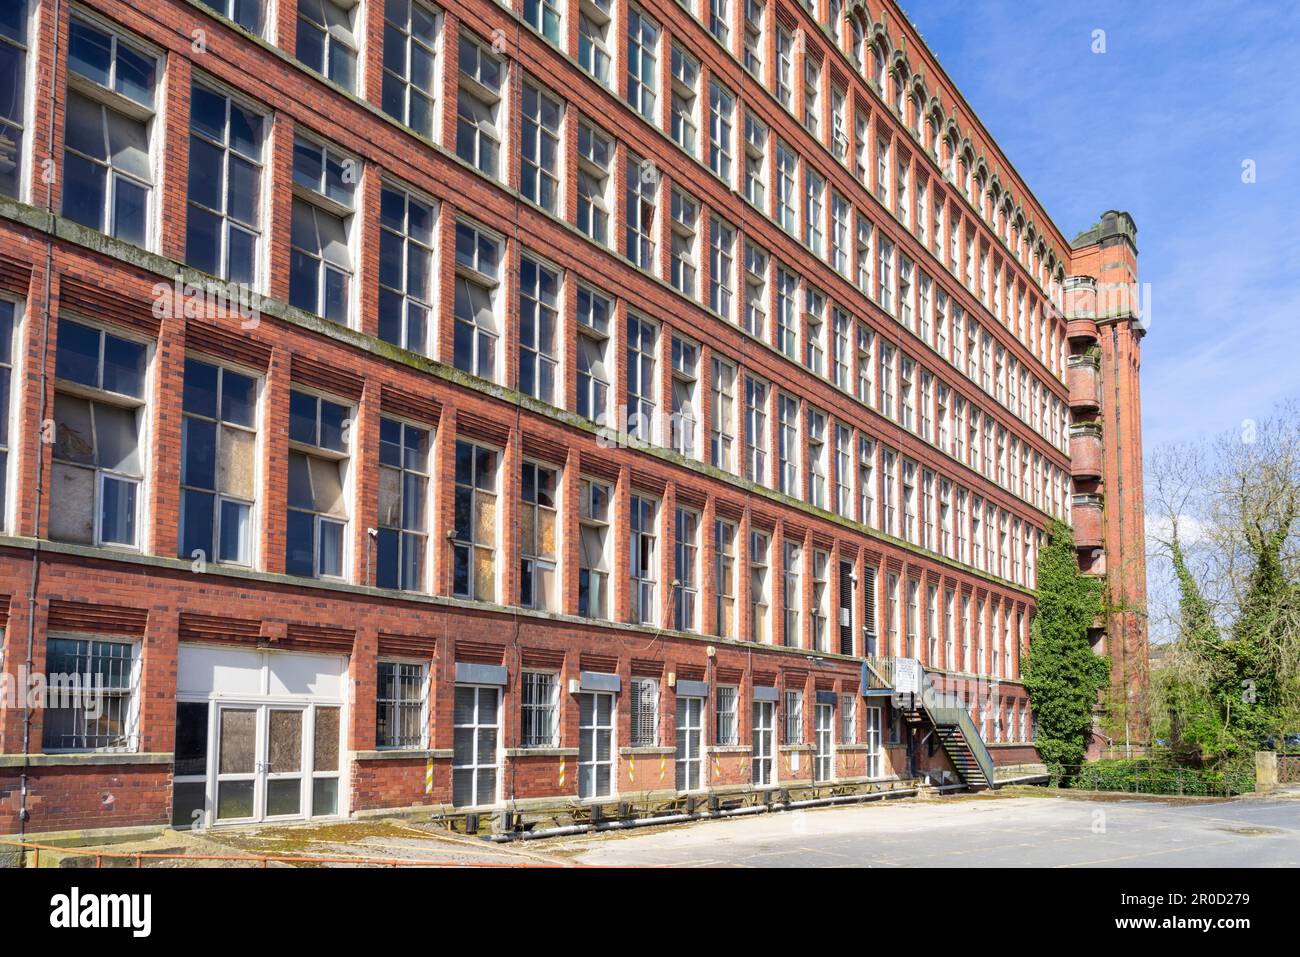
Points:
[(1061, 672)]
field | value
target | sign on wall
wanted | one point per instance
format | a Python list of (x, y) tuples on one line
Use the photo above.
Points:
[(907, 676)]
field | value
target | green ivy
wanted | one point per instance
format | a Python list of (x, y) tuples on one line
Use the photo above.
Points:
[(1232, 697), (1061, 672)]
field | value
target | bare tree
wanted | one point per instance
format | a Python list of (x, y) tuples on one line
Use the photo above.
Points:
[(1223, 535)]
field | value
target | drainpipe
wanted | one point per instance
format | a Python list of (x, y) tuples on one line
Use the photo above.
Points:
[(23, 813)]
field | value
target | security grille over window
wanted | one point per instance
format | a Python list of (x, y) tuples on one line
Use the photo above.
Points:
[(399, 705), (91, 695), (727, 724), (792, 725), (539, 704)]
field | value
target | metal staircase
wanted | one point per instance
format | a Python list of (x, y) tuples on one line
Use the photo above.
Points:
[(963, 745), (946, 714)]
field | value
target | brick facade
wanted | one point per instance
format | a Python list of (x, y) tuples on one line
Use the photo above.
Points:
[(53, 269)]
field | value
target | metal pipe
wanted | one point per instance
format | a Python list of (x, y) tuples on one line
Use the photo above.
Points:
[(23, 813), (571, 829)]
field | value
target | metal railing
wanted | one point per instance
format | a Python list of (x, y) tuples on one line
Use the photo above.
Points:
[(1142, 778), (1288, 769), (141, 859), (942, 708), (880, 672), (948, 710)]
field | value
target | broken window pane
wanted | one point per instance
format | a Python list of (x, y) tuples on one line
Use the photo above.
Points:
[(237, 463), (285, 749), (326, 751), (237, 748), (116, 438), (390, 497), (74, 437), (72, 498), (484, 575), (327, 486)]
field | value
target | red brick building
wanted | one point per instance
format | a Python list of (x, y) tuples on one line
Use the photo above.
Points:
[(462, 407)]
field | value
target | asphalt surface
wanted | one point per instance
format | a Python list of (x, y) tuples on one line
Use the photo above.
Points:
[(972, 832), (1021, 828)]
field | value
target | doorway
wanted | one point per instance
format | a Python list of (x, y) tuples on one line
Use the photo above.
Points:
[(258, 736)]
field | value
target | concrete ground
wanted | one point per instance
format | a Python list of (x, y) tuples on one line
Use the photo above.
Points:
[(994, 831), (1016, 827)]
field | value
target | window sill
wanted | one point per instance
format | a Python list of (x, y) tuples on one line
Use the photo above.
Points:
[(85, 759), (647, 750), (541, 752), (399, 754), (791, 748), (729, 749)]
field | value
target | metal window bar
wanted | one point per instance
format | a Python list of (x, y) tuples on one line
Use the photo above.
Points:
[(726, 707), (539, 709), (792, 723), (399, 705), (91, 687)]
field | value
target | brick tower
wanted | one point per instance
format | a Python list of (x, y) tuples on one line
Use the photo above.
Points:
[(1105, 331)]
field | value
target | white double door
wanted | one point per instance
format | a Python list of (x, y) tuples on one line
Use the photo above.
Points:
[(258, 736), (261, 762)]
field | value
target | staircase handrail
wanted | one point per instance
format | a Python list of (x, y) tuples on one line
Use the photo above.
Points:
[(947, 709)]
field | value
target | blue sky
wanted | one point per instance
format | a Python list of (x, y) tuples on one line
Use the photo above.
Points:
[(1160, 125)]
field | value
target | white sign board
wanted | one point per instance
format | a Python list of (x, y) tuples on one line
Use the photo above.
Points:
[(907, 676)]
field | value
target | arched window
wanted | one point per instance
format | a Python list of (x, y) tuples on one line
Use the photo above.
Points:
[(859, 43), (878, 68)]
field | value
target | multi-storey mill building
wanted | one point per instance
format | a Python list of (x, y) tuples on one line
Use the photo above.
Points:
[(470, 406)]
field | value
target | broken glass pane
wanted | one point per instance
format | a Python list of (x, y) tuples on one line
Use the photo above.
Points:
[(237, 462), (238, 738), (72, 496), (285, 750), (116, 444), (74, 438), (326, 750)]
